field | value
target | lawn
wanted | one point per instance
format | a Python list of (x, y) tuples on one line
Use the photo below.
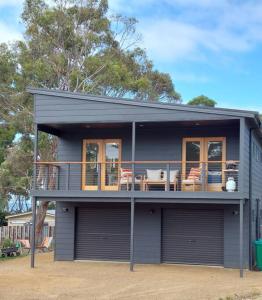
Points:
[(100, 280)]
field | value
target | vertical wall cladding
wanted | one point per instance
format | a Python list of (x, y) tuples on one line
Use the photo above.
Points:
[(64, 231), (151, 144), (256, 187), (147, 232), (231, 236)]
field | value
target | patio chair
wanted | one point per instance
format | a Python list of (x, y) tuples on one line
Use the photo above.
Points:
[(25, 245), (125, 179), (46, 244), (193, 182)]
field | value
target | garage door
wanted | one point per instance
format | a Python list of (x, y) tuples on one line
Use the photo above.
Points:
[(193, 236), (102, 233)]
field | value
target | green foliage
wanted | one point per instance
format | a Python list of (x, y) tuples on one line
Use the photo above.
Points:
[(202, 101), (3, 221), (70, 45), (7, 243)]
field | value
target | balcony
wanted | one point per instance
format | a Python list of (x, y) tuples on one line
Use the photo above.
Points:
[(174, 177)]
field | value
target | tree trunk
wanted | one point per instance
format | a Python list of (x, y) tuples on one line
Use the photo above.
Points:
[(40, 219)]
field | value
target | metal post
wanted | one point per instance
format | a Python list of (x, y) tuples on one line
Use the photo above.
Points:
[(132, 235), (99, 168), (168, 177), (67, 176), (34, 199), (32, 242), (133, 154), (35, 155), (241, 213)]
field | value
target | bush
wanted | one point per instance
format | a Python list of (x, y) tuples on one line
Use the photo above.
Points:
[(7, 243)]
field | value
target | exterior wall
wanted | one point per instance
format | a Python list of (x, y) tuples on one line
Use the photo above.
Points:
[(147, 231), (53, 109), (151, 144), (64, 231), (256, 189)]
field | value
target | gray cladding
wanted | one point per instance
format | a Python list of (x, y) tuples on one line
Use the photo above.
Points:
[(64, 231), (151, 144), (53, 109), (147, 232), (148, 229)]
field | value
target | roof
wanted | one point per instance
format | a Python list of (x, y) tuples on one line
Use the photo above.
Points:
[(163, 105), (50, 213)]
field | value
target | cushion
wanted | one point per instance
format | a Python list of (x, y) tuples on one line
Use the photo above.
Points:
[(191, 181), (173, 175), (194, 173), (154, 175), (126, 172)]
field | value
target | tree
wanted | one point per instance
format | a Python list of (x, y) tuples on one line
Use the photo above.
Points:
[(202, 101), (71, 46)]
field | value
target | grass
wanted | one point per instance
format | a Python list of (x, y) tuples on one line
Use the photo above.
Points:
[(250, 296)]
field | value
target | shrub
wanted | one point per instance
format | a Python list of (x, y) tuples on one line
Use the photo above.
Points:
[(7, 243)]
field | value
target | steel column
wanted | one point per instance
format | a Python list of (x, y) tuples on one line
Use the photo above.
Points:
[(133, 154), (241, 238), (34, 199), (132, 234), (32, 242)]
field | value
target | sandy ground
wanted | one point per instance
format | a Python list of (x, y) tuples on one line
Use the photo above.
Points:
[(99, 280)]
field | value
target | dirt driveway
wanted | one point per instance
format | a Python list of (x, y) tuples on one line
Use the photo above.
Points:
[(95, 280)]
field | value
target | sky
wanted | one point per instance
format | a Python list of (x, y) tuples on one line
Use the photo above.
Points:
[(210, 47)]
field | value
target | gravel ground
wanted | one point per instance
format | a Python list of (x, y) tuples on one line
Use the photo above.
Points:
[(100, 280)]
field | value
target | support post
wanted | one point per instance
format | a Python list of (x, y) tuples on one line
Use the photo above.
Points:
[(99, 168), (32, 242), (133, 154), (132, 235), (241, 239), (67, 177), (168, 178)]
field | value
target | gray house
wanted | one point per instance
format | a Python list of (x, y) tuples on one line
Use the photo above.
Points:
[(150, 182)]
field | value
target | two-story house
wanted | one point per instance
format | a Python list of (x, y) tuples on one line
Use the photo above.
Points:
[(150, 182)]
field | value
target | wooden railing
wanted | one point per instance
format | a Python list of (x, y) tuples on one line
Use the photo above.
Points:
[(209, 176)]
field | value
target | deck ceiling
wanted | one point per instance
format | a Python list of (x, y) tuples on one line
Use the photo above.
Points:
[(58, 129)]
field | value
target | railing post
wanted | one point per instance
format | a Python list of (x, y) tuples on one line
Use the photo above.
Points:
[(99, 176), (204, 177), (46, 179), (168, 177), (67, 177)]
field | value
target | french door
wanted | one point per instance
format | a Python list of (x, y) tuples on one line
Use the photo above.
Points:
[(101, 163), (209, 155)]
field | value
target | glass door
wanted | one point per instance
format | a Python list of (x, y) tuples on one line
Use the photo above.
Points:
[(111, 167), (92, 158), (215, 158), (192, 156), (101, 158)]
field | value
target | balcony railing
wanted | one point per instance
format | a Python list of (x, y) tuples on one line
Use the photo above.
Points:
[(146, 176)]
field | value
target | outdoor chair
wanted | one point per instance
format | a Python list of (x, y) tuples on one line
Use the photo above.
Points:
[(126, 179), (193, 182)]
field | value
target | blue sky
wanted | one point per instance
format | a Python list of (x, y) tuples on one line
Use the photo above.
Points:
[(210, 47)]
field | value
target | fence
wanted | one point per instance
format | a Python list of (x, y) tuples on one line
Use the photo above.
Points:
[(22, 232)]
